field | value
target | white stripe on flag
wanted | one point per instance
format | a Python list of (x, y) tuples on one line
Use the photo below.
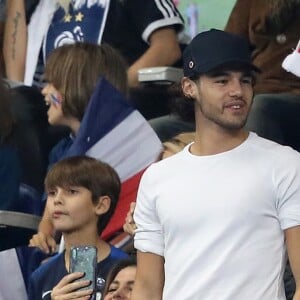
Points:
[(11, 283), (129, 147)]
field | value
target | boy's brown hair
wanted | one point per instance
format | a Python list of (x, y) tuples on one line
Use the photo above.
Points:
[(96, 176), (75, 69)]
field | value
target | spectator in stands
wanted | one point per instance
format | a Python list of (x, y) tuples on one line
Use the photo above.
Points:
[(145, 33), (10, 168), (272, 27), (82, 196), (72, 72), (214, 179), (120, 280)]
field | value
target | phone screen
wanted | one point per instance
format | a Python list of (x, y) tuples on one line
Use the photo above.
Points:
[(84, 259)]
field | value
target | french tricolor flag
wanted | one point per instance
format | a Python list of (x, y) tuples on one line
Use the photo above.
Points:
[(114, 132)]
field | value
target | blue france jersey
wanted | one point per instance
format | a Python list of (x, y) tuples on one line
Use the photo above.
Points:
[(83, 21)]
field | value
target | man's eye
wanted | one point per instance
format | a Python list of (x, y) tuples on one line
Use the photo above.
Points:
[(222, 81), (111, 290), (247, 80)]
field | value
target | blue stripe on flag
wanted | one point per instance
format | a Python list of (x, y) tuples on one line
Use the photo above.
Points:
[(106, 109)]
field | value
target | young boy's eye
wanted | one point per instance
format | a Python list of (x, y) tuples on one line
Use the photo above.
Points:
[(72, 191), (51, 193)]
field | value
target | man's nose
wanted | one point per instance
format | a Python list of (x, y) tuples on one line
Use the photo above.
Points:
[(235, 88)]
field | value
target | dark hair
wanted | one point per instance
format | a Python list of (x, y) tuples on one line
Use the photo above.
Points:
[(181, 105), (7, 121), (75, 69), (96, 176), (116, 268)]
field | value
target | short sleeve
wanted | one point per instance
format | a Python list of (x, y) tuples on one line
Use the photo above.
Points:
[(148, 236), (151, 15), (287, 181)]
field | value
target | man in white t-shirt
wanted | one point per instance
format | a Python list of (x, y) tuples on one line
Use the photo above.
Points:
[(215, 220)]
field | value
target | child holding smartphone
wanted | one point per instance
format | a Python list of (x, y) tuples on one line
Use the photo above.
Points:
[(82, 194)]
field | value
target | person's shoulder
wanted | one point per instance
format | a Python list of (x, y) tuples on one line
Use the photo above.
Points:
[(174, 159), (159, 171), (63, 143), (272, 149), (48, 267), (117, 253), (59, 150)]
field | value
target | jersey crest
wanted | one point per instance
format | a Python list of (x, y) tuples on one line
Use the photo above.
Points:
[(83, 21)]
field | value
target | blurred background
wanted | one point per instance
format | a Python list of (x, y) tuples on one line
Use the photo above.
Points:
[(198, 14)]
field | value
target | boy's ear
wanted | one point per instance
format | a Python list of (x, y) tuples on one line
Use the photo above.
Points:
[(103, 205)]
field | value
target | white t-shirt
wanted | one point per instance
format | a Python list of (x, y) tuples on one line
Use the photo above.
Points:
[(218, 220)]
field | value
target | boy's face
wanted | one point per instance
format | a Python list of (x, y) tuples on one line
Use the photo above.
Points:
[(71, 209), (53, 99)]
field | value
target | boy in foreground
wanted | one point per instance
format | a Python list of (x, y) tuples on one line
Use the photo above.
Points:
[(82, 196)]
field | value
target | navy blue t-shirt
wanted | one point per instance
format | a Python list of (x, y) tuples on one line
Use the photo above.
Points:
[(48, 275)]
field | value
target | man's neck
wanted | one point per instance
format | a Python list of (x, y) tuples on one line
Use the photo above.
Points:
[(211, 142)]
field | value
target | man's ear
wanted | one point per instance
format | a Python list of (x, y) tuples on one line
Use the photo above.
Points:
[(188, 88), (102, 205)]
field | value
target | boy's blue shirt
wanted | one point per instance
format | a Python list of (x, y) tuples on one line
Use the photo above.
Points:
[(48, 275)]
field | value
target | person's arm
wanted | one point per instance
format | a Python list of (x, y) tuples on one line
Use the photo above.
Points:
[(164, 50), (238, 21), (44, 238), (149, 281), (292, 237), (15, 40)]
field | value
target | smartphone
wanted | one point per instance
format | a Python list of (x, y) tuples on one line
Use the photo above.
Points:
[(84, 259)]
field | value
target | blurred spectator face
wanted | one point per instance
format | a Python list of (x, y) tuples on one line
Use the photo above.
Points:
[(53, 100), (122, 285)]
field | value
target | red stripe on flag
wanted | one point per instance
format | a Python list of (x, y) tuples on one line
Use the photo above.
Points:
[(128, 194)]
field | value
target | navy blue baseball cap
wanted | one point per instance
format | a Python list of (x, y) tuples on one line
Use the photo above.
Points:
[(214, 48)]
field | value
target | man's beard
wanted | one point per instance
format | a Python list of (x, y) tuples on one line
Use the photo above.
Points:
[(281, 13)]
